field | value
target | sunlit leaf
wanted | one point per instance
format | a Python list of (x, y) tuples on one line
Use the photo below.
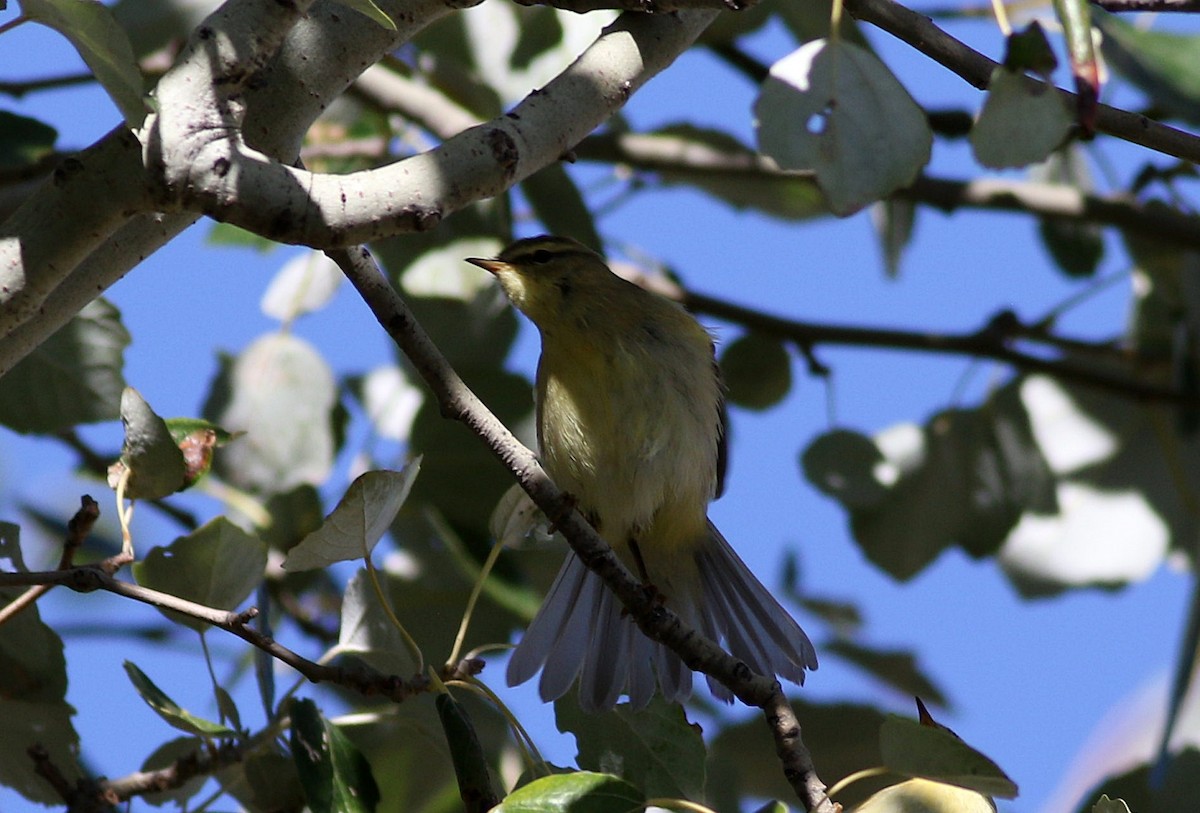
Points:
[(282, 395), (581, 792), (834, 108), (926, 796), (306, 283), (359, 521)]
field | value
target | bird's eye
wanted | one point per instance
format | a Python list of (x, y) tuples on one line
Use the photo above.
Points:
[(541, 256)]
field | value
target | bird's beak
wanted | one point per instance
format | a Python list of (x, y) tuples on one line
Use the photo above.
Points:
[(491, 266)]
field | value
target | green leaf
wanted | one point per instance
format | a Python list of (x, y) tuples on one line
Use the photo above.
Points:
[(982, 468), (470, 762), (557, 203), (282, 395), (24, 140), (1107, 805), (893, 220), (719, 164), (656, 749), (1021, 122), (1029, 50), (371, 11), (896, 668), (540, 30), (390, 399), (843, 739), (335, 775), (149, 453), (834, 108), (933, 752), (757, 371), (33, 688), (1161, 64), (169, 710), (358, 522), (581, 792), (1076, 246), (92, 29), (73, 377), (846, 466), (368, 633), (264, 781), (217, 565)]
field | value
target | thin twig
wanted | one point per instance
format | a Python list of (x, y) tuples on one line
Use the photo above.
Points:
[(656, 620), (78, 529)]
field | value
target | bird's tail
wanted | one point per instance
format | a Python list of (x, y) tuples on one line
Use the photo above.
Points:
[(581, 632)]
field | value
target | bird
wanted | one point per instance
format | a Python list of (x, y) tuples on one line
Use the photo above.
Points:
[(630, 423)]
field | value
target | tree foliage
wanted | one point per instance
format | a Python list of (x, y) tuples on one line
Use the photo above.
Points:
[(433, 131)]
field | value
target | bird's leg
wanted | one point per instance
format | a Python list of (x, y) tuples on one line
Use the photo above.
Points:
[(647, 585)]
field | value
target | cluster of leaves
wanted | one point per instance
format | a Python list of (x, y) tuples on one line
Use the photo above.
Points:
[(1011, 477)]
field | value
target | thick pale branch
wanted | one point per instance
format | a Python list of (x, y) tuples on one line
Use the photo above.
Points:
[(647, 6), (235, 184), (655, 620)]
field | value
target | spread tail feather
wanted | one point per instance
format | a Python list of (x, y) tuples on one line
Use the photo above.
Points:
[(581, 631)]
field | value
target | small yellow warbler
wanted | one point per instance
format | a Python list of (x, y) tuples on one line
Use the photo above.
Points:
[(629, 423)]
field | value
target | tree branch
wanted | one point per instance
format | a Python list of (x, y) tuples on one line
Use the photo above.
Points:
[(659, 622), (919, 31), (1147, 5), (90, 578), (236, 184)]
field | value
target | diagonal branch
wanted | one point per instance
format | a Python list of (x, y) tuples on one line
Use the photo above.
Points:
[(657, 621), (920, 32)]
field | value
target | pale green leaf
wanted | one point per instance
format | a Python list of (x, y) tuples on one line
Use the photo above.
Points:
[(306, 283), (391, 401), (170, 711), (73, 377), (1022, 122), (282, 395), (834, 108), (926, 796), (932, 752), (167, 755), (358, 522), (92, 29), (217, 565)]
